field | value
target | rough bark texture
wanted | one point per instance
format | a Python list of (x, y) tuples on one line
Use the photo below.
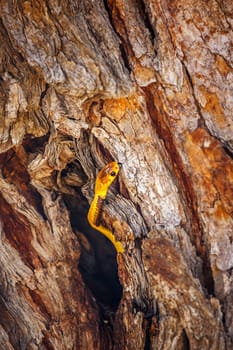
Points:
[(149, 84)]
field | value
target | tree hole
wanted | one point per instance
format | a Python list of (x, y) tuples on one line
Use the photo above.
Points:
[(98, 263)]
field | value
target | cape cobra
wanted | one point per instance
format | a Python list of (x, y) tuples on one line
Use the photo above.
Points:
[(104, 179)]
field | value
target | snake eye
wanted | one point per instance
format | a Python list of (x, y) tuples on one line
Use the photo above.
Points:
[(113, 173)]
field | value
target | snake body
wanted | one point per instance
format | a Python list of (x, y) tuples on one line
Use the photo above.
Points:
[(104, 179)]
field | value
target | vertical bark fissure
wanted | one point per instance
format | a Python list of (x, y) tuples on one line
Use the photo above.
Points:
[(195, 230), (147, 336), (124, 43), (186, 343), (145, 14), (228, 148), (201, 121)]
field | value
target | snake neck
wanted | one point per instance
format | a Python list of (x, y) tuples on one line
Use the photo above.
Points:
[(94, 220), (101, 190), (95, 210)]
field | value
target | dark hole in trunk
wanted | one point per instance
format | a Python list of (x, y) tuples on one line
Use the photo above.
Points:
[(97, 264)]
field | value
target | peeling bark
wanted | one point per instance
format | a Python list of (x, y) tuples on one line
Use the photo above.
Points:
[(149, 84)]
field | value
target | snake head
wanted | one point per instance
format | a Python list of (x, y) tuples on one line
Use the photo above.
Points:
[(105, 178)]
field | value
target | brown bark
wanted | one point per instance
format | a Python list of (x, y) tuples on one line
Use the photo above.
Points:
[(149, 84)]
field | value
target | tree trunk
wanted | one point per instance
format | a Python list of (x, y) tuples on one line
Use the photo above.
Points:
[(148, 84)]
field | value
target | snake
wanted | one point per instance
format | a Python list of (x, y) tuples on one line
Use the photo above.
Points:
[(104, 179)]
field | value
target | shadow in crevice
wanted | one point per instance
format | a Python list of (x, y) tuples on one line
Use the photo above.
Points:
[(98, 263), (186, 344)]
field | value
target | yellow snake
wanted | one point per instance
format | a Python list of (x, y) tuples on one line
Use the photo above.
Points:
[(104, 179)]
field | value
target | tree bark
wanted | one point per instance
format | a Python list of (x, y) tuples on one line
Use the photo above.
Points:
[(148, 84)]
